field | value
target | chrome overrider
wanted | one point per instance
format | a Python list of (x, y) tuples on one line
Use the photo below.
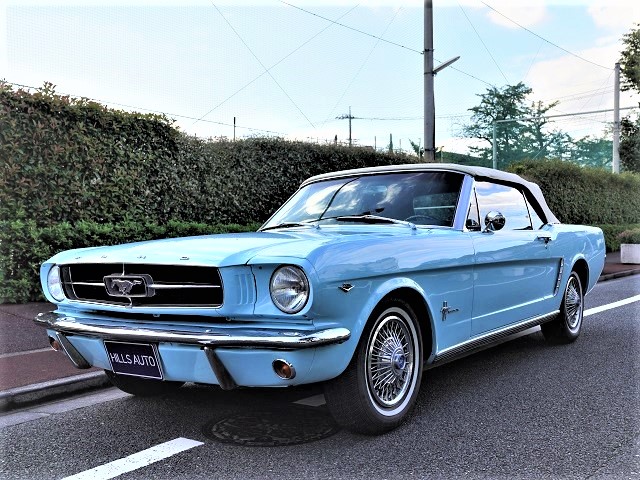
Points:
[(65, 324)]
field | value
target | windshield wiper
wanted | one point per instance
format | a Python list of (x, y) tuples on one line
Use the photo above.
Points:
[(373, 219), (288, 225)]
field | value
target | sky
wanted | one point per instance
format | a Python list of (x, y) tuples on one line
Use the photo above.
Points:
[(289, 69)]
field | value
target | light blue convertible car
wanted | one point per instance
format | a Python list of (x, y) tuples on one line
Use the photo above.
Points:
[(360, 280)]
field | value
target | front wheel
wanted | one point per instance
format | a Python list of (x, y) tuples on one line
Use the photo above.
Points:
[(566, 327), (142, 387), (379, 387)]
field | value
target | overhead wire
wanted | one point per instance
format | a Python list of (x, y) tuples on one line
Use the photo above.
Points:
[(484, 44), (352, 28), (274, 65), (135, 108), (378, 40), (542, 38), (263, 66), (421, 52)]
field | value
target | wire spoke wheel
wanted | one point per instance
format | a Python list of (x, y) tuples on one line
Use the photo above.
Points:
[(381, 383), (573, 303), (566, 327), (390, 361)]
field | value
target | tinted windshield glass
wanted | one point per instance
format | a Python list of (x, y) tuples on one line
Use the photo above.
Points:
[(425, 198)]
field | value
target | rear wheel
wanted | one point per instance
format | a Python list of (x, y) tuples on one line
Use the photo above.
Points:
[(379, 387), (142, 387), (568, 324)]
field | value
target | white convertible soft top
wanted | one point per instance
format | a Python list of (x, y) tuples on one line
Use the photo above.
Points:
[(479, 173)]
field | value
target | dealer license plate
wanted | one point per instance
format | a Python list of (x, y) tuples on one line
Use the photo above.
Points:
[(136, 359)]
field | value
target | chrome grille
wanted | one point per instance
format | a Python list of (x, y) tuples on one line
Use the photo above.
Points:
[(166, 285)]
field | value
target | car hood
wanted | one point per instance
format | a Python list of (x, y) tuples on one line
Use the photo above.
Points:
[(230, 249)]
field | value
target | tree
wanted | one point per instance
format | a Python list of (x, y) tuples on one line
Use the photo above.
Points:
[(630, 80), (630, 144), (418, 150), (592, 152), (515, 140), (630, 61)]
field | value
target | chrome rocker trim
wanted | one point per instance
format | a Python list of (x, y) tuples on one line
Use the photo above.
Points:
[(247, 338), (478, 343)]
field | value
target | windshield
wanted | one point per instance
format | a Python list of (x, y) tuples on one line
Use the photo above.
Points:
[(422, 198)]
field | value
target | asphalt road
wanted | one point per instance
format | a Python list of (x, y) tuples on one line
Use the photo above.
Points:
[(522, 410)]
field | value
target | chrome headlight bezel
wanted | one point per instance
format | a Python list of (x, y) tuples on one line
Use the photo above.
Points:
[(289, 288), (54, 284)]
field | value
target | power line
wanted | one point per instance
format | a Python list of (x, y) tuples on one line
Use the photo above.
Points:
[(542, 38), (484, 44), (468, 74), (361, 66), (383, 40), (262, 65), (167, 114), (352, 28), (274, 65)]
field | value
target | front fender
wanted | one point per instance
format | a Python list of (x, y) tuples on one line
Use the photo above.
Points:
[(337, 357)]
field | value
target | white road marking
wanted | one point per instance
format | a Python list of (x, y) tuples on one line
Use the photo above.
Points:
[(137, 460), (609, 306), (15, 354), (53, 408)]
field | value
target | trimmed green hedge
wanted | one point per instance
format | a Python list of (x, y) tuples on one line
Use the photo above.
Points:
[(24, 246), (583, 195), (631, 236), (68, 160), (612, 234)]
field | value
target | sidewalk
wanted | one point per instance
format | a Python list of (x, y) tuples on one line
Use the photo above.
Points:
[(31, 372)]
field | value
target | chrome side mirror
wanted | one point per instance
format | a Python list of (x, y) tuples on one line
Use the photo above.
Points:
[(494, 221)]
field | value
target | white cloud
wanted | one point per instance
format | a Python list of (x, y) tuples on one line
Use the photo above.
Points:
[(614, 14), (581, 86), (525, 12)]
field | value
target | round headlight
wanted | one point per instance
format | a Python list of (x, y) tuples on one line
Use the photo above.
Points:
[(289, 288), (55, 284)]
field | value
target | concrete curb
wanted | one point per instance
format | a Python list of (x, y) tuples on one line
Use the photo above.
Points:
[(612, 276), (55, 389)]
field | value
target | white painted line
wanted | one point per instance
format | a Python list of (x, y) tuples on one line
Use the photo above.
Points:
[(16, 354), (137, 460), (53, 408), (314, 401), (609, 306)]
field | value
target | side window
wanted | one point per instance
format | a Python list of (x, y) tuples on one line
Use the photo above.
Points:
[(507, 200)]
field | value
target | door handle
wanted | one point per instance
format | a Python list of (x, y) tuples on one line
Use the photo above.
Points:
[(544, 239)]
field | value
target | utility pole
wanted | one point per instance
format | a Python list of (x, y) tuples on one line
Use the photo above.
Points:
[(350, 117), (616, 120), (429, 101), (429, 74)]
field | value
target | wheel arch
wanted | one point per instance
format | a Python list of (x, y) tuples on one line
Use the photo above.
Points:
[(581, 267), (419, 305)]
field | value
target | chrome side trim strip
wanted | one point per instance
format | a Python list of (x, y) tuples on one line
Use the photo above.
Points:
[(248, 338), (468, 346)]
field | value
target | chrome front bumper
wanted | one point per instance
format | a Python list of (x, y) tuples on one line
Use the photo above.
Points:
[(209, 337)]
